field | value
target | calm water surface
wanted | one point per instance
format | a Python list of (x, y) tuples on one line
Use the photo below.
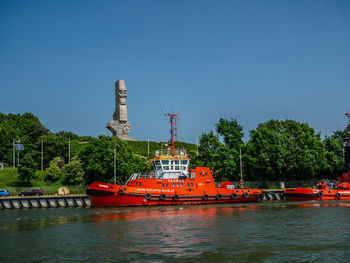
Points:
[(257, 232)]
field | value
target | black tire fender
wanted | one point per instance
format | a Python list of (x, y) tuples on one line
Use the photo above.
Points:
[(120, 192), (338, 195), (176, 198), (148, 196), (219, 196), (320, 194), (162, 197), (245, 195), (205, 197), (234, 196)]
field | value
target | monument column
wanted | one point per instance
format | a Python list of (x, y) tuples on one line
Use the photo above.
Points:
[(120, 126)]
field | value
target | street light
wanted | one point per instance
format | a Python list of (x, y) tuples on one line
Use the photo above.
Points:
[(18, 147)]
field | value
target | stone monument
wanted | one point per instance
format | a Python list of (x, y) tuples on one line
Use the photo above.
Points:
[(120, 126)]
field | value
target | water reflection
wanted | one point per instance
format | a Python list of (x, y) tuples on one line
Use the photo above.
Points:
[(173, 230)]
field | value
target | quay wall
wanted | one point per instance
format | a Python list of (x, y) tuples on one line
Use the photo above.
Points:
[(83, 201), (47, 201)]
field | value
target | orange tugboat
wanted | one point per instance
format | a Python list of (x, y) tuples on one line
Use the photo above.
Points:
[(324, 191), (170, 183)]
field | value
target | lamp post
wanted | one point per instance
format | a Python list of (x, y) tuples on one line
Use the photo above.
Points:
[(13, 154), (18, 147)]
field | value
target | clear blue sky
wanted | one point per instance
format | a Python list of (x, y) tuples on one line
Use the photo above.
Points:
[(249, 60)]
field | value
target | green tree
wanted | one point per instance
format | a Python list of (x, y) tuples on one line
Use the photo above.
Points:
[(98, 159), (285, 150), (231, 132), (26, 169), (73, 172), (218, 156), (55, 170), (27, 128)]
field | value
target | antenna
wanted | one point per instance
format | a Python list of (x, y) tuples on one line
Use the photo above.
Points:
[(173, 123)]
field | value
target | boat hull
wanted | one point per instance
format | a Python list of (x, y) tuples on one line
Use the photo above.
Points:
[(131, 200), (305, 194), (123, 196)]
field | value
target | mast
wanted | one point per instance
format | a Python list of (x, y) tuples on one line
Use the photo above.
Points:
[(173, 131), (347, 147)]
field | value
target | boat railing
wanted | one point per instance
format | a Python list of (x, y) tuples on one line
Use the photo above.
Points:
[(169, 152), (141, 176)]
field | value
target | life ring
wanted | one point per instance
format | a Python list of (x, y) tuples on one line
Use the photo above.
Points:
[(219, 196), (176, 198), (162, 197), (320, 193), (245, 195), (338, 195), (205, 197), (120, 192), (148, 196), (234, 196)]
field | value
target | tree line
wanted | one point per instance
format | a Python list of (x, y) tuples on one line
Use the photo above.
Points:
[(275, 150)]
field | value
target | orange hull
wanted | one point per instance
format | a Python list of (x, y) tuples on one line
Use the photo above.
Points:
[(304, 194), (201, 190)]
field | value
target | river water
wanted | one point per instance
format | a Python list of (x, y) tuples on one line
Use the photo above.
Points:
[(277, 231)]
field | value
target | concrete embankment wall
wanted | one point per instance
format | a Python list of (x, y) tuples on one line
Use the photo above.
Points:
[(271, 195), (83, 200), (45, 202)]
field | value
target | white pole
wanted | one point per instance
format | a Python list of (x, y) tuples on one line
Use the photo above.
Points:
[(240, 162), (197, 146), (18, 152), (69, 150), (13, 154)]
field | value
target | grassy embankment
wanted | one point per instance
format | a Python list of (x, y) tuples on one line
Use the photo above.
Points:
[(9, 177)]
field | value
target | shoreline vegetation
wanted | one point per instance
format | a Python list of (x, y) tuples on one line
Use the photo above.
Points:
[(276, 151)]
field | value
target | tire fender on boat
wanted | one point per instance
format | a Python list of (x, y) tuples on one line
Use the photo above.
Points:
[(234, 196), (176, 198), (120, 192), (219, 196), (320, 193), (148, 196), (338, 195), (245, 195), (205, 197), (162, 197)]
